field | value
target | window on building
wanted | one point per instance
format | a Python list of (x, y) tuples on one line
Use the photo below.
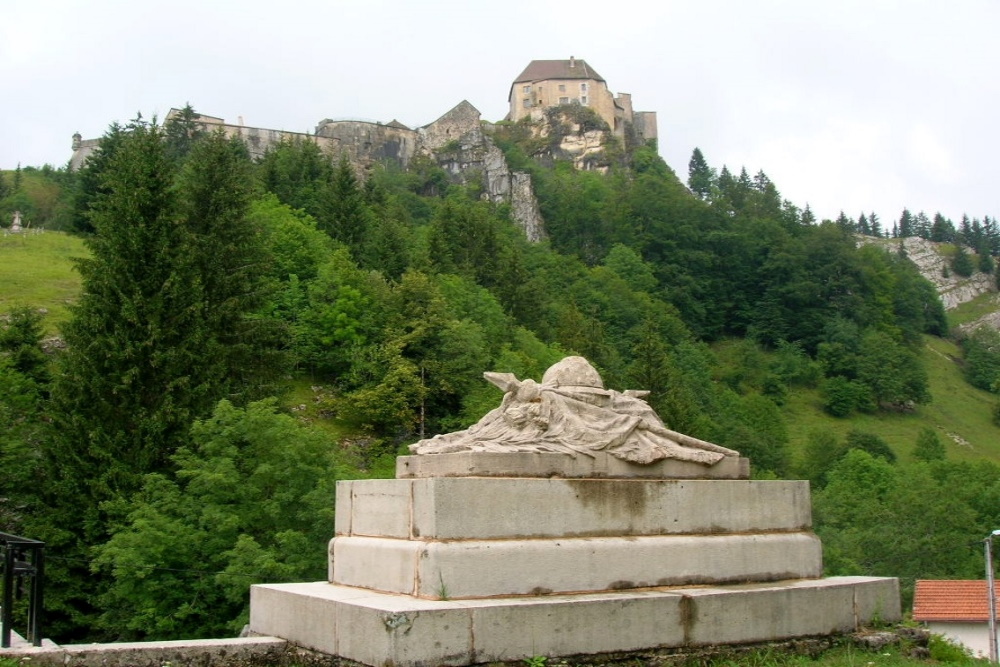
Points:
[(527, 102), (562, 87), (563, 100), (583, 99), (527, 89), (583, 87)]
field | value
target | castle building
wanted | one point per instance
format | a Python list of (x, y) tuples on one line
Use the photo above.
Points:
[(551, 83)]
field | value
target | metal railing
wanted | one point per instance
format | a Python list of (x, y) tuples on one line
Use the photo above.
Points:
[(23, 559)]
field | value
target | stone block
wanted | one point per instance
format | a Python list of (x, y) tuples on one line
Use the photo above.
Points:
[(376, 563), (580, 624), (485, 508), (411, 631), (377, 507), (762, 612), (379, 628), (599, 465), (473, 569)]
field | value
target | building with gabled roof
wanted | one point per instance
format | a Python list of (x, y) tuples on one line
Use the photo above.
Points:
[(545, 84), (958, 609)]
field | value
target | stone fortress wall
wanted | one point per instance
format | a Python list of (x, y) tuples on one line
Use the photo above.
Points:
[(459, 142)]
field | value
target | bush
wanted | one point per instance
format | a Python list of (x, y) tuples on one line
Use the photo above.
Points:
[(944, 650)]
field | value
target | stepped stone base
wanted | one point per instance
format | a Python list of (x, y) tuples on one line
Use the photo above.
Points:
[(401, 630)]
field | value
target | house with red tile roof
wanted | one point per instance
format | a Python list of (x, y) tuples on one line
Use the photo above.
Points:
[(959, 609), (545, 84)]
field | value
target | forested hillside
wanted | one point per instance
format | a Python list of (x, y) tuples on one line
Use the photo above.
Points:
[(248, 332)]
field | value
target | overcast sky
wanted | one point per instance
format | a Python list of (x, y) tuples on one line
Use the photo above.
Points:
[(853, 105)]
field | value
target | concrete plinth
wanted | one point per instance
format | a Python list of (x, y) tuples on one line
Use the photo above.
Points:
[(380, 628)]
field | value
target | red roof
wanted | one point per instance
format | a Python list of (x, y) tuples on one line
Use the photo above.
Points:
[(951, 600)]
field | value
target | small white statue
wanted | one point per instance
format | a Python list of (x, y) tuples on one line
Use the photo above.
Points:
[(15, 226), (571, 412)]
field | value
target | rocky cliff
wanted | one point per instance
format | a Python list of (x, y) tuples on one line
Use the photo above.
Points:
[(954, 290)]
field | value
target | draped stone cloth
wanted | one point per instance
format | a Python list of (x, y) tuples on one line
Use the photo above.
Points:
[(571, 412)]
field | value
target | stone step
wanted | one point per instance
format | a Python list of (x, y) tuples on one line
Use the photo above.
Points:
[(379, 628), (476, 569), (479, 508)]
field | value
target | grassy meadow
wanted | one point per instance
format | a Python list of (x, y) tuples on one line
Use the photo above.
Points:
[(36, 270)]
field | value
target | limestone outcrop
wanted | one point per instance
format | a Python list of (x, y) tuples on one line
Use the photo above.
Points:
[(954, 290)]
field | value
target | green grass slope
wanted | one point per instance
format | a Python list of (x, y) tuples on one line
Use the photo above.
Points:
[(958, 412), (36, 270)]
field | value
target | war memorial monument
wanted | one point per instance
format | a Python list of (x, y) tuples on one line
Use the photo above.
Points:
[(567, 521)]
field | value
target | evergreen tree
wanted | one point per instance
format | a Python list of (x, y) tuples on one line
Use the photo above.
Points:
[(875, 225), (922, 226), (90, 178), (349, 216), (942, 230), (961, 263), (845, 223), (905, 228), (985, 263), (991, 235), (965, 231), (163, 329), (808, 217), (863, 226), (182, 131), (701, 177)]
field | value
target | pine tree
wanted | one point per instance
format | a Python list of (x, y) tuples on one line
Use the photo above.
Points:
[(905, 228), (808, 217), (922, 225), (701, 177), (875, 224), (845, 223), (961, 263), (182, 132), (163, 328), (863, 226), (350, 217), (90, 178), (942, 230)]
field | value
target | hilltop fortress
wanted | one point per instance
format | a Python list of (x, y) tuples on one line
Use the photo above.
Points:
[(460, 141)]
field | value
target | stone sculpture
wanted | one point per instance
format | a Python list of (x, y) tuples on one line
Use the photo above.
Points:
[(571, 412)]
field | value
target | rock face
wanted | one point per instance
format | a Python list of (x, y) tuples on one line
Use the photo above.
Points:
[(954, 290)]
